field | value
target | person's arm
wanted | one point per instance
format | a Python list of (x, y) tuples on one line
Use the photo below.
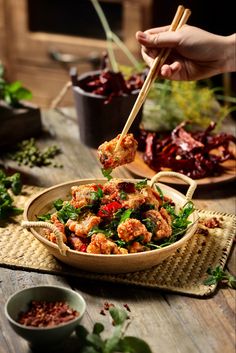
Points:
[(195, 54)]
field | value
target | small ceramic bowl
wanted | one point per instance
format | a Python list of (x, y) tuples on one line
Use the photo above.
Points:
[(47, 336)]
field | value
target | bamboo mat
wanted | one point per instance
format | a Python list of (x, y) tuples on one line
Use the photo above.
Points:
[(184, 272)]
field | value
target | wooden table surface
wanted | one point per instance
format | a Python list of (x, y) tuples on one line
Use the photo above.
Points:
[(169, 322)]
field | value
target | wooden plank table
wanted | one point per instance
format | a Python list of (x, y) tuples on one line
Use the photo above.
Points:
[(168, 322)]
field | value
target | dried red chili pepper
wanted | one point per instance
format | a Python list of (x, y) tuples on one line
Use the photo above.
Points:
[(185, 152), (109, 209)]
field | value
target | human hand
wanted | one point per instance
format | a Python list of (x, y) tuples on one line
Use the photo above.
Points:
[(195, 53)]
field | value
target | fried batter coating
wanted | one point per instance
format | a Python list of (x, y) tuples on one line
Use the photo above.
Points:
[(50, 235), (163, 223), (132, 229), (82, 195), (110, 157), (83, 226), (100, 244)]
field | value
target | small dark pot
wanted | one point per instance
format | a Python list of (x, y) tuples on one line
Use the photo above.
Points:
[(99, 122), (18, 124)]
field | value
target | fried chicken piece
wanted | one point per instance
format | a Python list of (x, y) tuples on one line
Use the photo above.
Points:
[(131, 229), (151, 196), (163, 223), (125, 153), (113, 189), (83, 226), (50, 235), (102, 245), (82, 194)]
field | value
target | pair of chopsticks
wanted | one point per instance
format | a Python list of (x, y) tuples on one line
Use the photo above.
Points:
[(179, 20)]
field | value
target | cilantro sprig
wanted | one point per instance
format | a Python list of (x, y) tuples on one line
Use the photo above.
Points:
[(218, 275), (117, 341), (107, 173)]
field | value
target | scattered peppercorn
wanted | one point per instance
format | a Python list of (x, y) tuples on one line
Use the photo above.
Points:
[(126, 306), (47, 314), (28, 153)]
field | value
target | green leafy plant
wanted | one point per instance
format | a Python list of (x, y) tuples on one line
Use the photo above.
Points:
[(13, 184), (112, 38), (171, 102), (12, 93), (94, 342), (218, 275)]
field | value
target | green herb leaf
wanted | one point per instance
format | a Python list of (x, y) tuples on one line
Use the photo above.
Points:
[(126, 215), (7, 208), (68, 212), (134, 345), (149, 224), (217, 275), (97, 195), (107, 173), (119, 316), (98, 328), (160, 192), (95, 340), (44, 217), (58, 204), (123, 195), (112, 343), (141, 184)]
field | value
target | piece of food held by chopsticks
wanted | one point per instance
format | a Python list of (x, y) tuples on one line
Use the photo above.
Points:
[(112, 157), (122, 149)]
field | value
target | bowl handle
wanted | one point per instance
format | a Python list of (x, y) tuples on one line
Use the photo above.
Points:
[(192, 183), (59, 236)]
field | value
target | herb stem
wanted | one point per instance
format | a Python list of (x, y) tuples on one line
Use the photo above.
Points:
[(108, 34)]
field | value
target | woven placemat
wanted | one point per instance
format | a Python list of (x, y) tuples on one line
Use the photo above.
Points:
[(184, 272)]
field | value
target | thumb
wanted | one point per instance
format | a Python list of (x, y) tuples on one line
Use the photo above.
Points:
[(167, 39)]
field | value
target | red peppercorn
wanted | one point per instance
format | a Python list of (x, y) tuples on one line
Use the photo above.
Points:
[(47, 314)]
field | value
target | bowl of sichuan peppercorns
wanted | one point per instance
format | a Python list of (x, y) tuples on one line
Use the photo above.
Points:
[(45, 315)]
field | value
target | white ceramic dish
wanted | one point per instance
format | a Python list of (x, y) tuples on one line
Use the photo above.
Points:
[(42, 203)]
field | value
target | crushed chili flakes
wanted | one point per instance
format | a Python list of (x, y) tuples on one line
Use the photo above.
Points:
[(47, 314)]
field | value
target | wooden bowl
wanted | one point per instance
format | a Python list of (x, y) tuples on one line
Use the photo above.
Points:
[(42, 203)]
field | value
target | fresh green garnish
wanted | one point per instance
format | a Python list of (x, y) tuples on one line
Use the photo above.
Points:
[(97, 195), (68, 212), (107, 173), (96, 230), (217, 275), (149, 224), (44, 217), (179, 221), (58, 204), (123, 195), (160, 192), (12, 93), (116, 342), (12, 183), (141, 184), (126, 215), (120, 243)]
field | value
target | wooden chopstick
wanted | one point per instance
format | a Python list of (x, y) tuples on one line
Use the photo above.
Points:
[(179, 20)]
